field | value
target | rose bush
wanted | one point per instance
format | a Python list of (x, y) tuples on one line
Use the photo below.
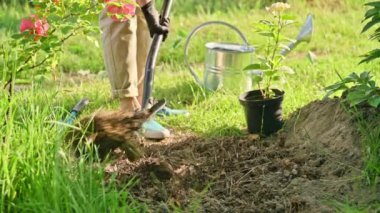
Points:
[(38, 44)]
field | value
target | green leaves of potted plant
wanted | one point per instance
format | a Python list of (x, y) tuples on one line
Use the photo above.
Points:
[(263, 107)]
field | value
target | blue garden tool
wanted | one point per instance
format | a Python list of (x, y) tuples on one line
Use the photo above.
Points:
[(76, 110)]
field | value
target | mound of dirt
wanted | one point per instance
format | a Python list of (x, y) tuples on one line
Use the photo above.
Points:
[(313, 162)]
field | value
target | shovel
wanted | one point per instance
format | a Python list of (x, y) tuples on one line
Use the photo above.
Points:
[(152, 56)]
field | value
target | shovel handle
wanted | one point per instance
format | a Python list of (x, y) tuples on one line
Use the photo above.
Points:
[(152, 56), (166, 7)]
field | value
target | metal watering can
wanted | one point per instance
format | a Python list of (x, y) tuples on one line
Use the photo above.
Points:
[(224, 61)]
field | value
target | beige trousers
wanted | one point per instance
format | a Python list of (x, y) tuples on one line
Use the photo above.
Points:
[(126, 46)]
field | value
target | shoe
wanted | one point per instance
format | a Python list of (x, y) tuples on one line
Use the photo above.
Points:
[(166, 111), (153, 130)]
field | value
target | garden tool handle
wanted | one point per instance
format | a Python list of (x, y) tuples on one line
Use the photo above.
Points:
[(166, 7), (199, 27), (152, 56), (76, 110), (81, 104)]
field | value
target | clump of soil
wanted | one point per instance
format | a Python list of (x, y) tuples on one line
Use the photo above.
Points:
[(113, 130), (314, 161)]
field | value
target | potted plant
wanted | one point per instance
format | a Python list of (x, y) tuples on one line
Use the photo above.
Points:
[(263, 106)]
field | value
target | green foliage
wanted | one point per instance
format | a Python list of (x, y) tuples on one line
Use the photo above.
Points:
[(371, 141), (358, 89), (273, 71), (354, 208), (27, 52), (38, 173), (361, 88), (15, 2), (372, 16), (212, 115)]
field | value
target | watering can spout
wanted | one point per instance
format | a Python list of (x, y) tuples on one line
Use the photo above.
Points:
[(304, 35), (307, 30)]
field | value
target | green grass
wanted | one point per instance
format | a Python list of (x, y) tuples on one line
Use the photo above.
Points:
[(37, 172), (371, 141), (351, 208)]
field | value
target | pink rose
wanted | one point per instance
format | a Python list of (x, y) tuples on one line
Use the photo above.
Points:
[(129, 9), (26, 24), (41, 27), (120, 13), (36, 26), (113, 9)]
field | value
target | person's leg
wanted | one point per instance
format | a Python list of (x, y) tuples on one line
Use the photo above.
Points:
[(119, 46), (152, 129)]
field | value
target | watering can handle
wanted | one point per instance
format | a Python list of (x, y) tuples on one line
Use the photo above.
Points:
[(195, 30)]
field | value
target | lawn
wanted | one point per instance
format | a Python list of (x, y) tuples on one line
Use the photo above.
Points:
[(40, 174)]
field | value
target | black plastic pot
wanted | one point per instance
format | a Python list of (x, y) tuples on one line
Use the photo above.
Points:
[(263, 116)]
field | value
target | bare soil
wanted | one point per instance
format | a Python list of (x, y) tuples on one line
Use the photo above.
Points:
[(312, 163)]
